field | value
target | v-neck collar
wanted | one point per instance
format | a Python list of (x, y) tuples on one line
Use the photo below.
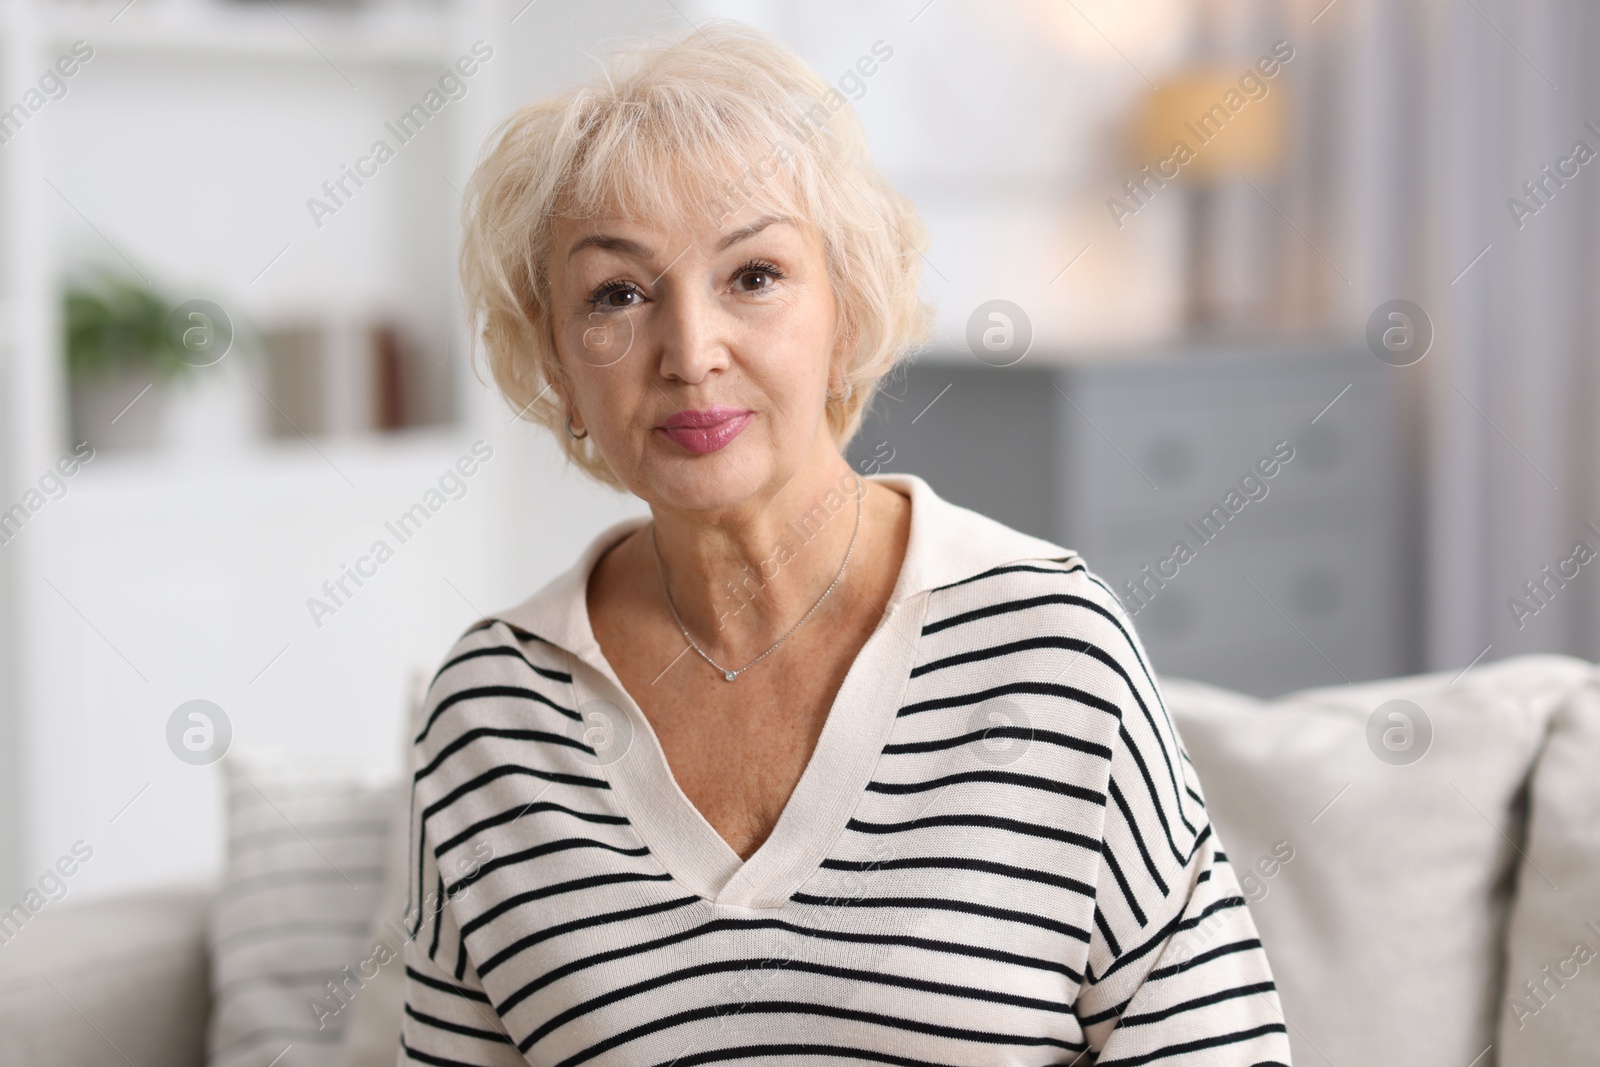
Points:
[(947, 543)]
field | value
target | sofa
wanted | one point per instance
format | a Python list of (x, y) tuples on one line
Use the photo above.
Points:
[(1421, 856)]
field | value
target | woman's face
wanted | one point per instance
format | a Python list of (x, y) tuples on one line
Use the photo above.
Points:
[(733, 319)]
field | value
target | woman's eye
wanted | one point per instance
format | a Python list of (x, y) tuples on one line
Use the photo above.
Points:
[(616, 296), (755, 280)]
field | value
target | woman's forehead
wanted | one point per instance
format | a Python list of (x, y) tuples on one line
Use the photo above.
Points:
[(618, 227)]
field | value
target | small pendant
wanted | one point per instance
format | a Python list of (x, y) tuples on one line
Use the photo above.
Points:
[(729, 675)]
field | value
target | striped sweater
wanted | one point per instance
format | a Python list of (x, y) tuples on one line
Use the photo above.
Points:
[(999, 852)]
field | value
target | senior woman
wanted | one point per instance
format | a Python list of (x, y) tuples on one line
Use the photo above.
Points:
[(808, 767)]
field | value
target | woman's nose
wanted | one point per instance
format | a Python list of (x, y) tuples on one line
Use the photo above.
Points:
[(693, 339)]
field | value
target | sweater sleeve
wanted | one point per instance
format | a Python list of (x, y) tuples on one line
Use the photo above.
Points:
[(450, 1021), (1176, 974), (448, 1018)]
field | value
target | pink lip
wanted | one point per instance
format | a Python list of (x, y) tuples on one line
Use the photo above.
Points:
[(705, 431)]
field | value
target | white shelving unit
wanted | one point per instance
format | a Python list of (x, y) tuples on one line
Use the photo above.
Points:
[(184, 151)]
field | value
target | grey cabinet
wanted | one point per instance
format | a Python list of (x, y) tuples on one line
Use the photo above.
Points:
[(1152, 466)]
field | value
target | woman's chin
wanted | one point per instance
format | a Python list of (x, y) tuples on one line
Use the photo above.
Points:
[(704, 483)]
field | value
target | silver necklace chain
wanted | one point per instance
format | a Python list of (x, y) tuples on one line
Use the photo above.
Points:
[(729, 675)]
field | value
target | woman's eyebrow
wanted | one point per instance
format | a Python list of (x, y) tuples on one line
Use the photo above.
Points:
[(609, 242), (628, 247), (746, 232)]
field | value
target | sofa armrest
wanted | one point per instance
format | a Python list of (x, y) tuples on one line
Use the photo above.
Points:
[(109, 982)]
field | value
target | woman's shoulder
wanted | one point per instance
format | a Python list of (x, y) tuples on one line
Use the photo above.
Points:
[(1047, 588), (493, 661), (1055, 608)]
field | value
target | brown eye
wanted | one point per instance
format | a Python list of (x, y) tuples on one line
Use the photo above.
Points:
[(754, 277), (615, 294)]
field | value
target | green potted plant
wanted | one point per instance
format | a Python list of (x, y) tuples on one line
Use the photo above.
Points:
[(117, 355)]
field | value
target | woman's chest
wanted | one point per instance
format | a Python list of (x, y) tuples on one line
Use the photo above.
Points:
[(738, 749)]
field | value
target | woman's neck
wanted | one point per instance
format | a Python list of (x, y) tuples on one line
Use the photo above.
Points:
[(742, 578), (744, 575)]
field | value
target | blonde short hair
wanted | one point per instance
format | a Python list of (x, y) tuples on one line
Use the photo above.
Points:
[(660, 134)]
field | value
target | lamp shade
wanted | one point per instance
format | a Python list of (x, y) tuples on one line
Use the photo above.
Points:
[(1214, 124)]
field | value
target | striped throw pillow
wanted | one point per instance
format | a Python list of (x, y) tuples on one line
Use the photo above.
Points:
[(289, 925)]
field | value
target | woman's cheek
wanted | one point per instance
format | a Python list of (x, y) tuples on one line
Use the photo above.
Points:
[(601, 339)]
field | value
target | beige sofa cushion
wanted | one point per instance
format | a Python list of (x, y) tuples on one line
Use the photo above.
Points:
[(109, 982), (1385, 924), (1550, 1012)]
